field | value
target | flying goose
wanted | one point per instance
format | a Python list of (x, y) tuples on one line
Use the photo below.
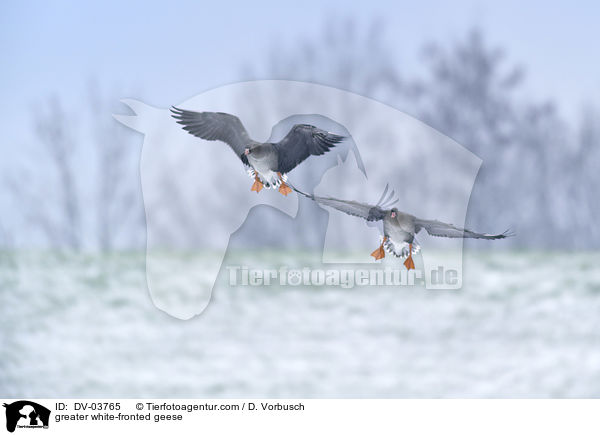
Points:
[(268, 163), (399, 228)]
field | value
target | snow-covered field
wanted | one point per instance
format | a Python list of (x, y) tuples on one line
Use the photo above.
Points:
[(524, 325)]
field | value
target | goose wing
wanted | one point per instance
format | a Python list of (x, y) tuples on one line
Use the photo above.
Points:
[(302, 141), (441, 229), (215, 126)]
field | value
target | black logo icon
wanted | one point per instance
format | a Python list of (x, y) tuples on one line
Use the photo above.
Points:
[(30, 412)]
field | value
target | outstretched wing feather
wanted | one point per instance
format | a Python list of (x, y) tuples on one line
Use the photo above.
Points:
[(215, 126), (302, 141), (441, 229), (353, 208)]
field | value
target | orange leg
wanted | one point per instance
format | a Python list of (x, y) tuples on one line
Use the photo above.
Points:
[(257, 186), (409, 263), (284, 189), (379, 253)]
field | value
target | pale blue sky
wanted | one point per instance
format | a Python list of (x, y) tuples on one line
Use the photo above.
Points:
[(170, 52)]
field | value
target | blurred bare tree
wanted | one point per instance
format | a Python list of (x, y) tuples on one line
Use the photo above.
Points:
[(51, 206), (534, 164), (88, 195), (534, 167), (581, 214), (344, 56), (471, 93), (118, 206)]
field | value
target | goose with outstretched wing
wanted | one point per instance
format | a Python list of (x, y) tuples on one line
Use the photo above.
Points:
[(268, 163), (399, 228)]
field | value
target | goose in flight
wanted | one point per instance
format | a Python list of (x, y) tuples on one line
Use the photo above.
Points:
[(399, 228), (268, 163)]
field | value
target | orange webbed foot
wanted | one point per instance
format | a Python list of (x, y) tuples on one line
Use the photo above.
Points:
[(257, 186), (284, 189), (379, 253), (409, 263)]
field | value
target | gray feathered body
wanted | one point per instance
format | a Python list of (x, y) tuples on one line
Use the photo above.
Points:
[(265, 160), (400, 233)]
